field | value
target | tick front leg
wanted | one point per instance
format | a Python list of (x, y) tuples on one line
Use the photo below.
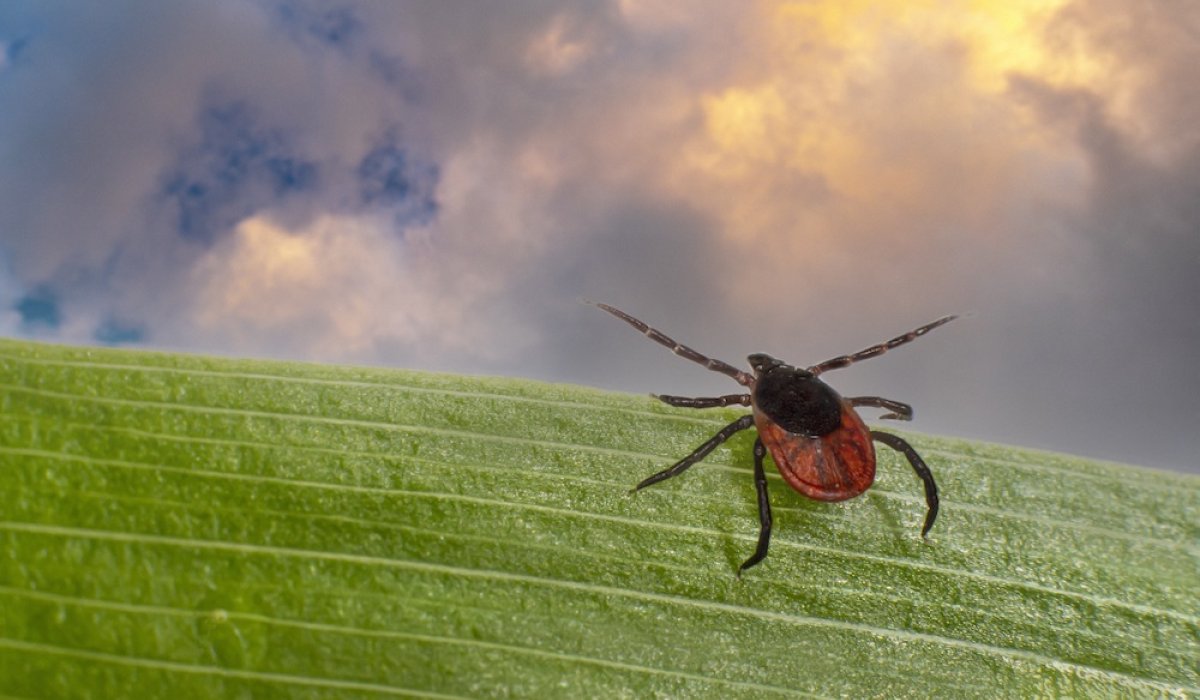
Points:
[(899, 411), (714, 402), (877, 350), (700, 453), (764, 509), (679, 348), (918, 465)]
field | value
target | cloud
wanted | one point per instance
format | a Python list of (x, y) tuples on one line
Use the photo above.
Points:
[(236, 169), (10, 296), (318, 291), (122, 171), (39, 310), (416, 184), (1138, 229)]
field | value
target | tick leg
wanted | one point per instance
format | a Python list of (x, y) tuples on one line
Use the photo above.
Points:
[(714, 402), (918, 465), (700, 453), (764, 509), (683, 351), (876, 350), (899, 411)]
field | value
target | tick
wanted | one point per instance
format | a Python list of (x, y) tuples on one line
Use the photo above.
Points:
[(816, 438)]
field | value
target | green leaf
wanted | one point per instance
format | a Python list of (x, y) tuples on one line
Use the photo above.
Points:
[(177, 526)]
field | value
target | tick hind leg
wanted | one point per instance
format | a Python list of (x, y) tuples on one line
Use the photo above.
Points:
[(700, 452), (764, 509), (898, 410), (704, 402), (919, 466)]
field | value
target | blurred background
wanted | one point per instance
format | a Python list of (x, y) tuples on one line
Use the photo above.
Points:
[(437, 185)]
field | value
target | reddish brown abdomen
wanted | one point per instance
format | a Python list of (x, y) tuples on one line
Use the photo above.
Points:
[(833, 467)]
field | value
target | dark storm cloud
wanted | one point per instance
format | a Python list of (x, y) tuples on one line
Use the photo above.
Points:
[(1117, 349)]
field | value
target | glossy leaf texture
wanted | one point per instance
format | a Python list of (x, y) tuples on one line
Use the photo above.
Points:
[(181, 526)]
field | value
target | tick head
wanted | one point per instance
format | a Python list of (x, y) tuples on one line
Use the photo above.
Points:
[(763, 363)]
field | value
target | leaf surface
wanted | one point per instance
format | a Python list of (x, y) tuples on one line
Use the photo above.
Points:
[(182, 526)]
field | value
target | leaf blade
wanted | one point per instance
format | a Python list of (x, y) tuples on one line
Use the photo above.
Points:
[(293, 528)]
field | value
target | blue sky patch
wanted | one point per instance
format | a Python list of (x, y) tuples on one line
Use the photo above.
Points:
[(39, 309), (396, 73), (237, 168), (13, 49), (389, 176), (338, 27), (291, 174)]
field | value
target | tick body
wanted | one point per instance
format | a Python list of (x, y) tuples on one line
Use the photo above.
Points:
[(816, 438)]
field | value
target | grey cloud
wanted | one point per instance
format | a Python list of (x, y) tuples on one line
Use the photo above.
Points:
[(1110, 362)]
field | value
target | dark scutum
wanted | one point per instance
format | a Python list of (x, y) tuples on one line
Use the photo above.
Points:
[(799, 402)]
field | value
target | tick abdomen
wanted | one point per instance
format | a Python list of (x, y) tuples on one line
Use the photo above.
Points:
[(834, 467)]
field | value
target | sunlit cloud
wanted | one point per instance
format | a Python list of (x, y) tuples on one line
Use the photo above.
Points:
[(557, 50), (317, 289)]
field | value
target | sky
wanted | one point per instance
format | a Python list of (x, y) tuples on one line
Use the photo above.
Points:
[(437, 185)]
